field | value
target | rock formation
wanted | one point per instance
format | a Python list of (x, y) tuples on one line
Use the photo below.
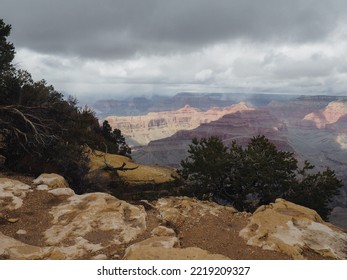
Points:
[(47, 220), (80, 226), (293, 111), (335, 111), (289, 228), (158, 125)]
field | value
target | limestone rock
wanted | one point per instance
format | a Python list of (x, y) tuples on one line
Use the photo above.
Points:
[(62, 192), (42, 187), (175, 210), (12, 193), (161, 242), (289, 228), (190, 253), (52, 180), (91, 222), (15, 250), (164, 248), (163, 231)]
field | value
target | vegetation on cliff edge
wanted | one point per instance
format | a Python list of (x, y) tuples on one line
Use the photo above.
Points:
[(248, 177), (40, 130)]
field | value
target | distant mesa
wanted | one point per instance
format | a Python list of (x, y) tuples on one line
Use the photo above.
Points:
[(335, 111)]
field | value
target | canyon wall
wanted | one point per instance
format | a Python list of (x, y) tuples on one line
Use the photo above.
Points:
[(157, 125)]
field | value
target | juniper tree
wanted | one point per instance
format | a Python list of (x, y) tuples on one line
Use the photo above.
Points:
[(256, 174)]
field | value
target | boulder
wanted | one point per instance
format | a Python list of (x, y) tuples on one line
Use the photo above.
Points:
[(163, 231), (85, 224), (12, 193), (62, 192), (52, 180), (289, 228)]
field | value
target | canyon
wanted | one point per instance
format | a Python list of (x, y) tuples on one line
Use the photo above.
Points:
[(313, 127)]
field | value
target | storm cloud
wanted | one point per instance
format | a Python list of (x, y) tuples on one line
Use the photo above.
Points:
[(158, 46)]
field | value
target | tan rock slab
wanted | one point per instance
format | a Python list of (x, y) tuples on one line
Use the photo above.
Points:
[(91, 222), (163, 231), (289, 228), (158, 253), (62, 192)]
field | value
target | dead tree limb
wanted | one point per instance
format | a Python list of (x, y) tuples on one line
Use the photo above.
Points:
[(26, 125), (108, 167)]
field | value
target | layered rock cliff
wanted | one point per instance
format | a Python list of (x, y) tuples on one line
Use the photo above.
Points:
[(158, 125), (47, 220), (240, 126), (334, 112)]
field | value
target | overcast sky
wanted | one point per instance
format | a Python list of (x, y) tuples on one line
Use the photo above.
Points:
[(92, 49)]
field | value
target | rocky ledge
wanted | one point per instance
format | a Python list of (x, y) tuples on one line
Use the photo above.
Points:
[(45, 219)]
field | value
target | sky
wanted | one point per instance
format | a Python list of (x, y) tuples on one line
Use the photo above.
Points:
[(119, 48)]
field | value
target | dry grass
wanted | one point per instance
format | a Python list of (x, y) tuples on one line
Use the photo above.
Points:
[(142, 175)]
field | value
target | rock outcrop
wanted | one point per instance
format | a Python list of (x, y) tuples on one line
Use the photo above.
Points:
[(333, 112), (158, 125), (93, 222), (49, 221), (50, 181), (80, 226), (286, 227)]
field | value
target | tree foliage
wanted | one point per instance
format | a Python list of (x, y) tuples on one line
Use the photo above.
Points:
[(255, 175), (6, 48), (114, 140)]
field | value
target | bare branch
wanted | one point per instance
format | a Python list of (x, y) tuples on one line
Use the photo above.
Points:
[(22, 124), (108, 167)]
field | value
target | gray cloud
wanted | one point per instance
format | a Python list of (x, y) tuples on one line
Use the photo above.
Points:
[(123, 28), (91, 48)]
